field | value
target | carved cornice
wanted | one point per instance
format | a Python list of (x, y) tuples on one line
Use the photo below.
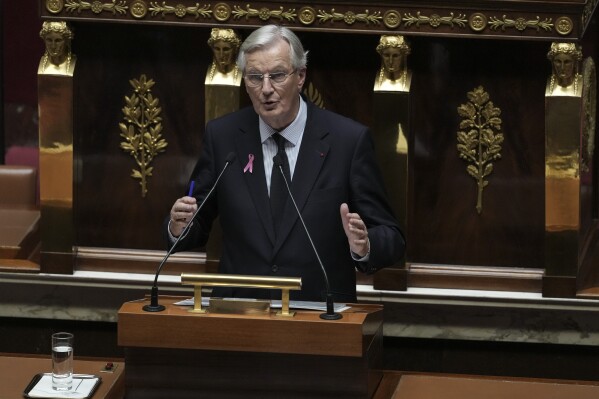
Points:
[(523, 19)]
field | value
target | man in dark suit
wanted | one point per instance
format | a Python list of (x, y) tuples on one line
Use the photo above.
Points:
[(332, 173)]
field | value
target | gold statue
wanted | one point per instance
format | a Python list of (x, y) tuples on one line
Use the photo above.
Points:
[(394, 74), (58, 59), (223, 70), (565, 79)]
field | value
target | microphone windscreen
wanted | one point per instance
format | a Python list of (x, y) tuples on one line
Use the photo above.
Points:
[(230, 157)]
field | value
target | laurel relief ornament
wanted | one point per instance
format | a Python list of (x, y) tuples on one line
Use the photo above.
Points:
[(520, 24), (97, 7), (435, 20), (264, 13), (350, 17), (313, 95), (180, 10), (478, 142), (142, 129)]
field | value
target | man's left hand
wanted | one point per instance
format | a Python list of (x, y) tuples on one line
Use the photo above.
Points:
[(355, 230)]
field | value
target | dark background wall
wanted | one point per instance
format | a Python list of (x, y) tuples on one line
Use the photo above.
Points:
[(22, 49)]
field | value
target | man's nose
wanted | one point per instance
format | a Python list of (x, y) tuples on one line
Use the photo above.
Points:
[(267, 86)]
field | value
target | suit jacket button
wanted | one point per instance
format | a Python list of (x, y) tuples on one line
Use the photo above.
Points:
[(275, 268)]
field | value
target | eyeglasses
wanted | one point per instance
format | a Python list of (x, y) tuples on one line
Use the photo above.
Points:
[(276, 78)]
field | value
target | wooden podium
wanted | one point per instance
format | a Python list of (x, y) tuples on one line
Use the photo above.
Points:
[(179, 354)]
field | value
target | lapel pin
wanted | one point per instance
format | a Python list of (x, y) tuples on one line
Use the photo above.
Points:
[(250, 164)]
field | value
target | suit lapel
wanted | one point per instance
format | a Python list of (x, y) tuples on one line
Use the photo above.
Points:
[(311, 157), (249, 143)]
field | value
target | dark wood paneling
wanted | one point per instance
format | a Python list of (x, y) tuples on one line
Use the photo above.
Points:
[(110, 211), (444, 226), (532, 360), (33, 336), (222, 374)]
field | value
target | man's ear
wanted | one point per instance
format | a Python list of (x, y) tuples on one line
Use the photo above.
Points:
[(301, 73)]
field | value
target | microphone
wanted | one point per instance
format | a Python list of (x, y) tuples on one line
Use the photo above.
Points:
[(154, 306), (330, 313)]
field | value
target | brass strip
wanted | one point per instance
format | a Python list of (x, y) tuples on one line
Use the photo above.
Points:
[(225, 280), (238, 280)]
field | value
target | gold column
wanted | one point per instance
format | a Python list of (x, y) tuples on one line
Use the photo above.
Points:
[(563, 134), (55, 101), (222, 96), (391, 101)]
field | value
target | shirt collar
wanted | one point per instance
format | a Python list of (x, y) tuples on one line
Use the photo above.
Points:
[(293, 132)]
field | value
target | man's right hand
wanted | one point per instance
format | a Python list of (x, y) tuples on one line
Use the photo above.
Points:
[(181, 214)]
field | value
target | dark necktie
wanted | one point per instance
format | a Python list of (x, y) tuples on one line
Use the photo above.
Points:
[(278, 190)]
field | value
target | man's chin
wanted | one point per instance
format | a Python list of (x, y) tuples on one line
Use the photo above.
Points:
[(272, 120), (269, 111)]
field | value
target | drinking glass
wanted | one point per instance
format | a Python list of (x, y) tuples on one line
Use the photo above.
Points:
[(62, 361)]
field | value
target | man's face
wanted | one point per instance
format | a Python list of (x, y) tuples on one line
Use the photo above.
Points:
[(277, 104), (223, 55), (563, 67)]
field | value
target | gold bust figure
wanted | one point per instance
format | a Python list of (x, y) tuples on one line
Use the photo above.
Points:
[(223, 70), (394, 74), (58, 59), (565, 62)]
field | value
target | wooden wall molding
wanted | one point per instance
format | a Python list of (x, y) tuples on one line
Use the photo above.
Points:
[(476, 277), (140, 261)]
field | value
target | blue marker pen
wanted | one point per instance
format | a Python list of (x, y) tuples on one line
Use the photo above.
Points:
[(191, 188)]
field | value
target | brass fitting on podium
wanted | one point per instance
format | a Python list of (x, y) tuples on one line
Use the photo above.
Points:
[(285, 284)]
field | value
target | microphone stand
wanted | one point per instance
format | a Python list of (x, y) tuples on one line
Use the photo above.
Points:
[(330, 313), (154, 306)]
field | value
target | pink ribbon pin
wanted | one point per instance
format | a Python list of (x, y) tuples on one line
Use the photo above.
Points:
[(250, 165)]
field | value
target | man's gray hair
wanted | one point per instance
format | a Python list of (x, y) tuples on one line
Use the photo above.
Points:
[(268, 35)]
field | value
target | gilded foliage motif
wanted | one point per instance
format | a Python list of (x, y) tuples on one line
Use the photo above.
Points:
[(142, 130), (479, 138)]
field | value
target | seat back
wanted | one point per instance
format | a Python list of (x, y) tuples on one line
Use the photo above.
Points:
[(18, 186)]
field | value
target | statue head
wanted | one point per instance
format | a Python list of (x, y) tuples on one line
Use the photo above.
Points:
[(393, 50), (57, 36), (225, 45), (565, 59)]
